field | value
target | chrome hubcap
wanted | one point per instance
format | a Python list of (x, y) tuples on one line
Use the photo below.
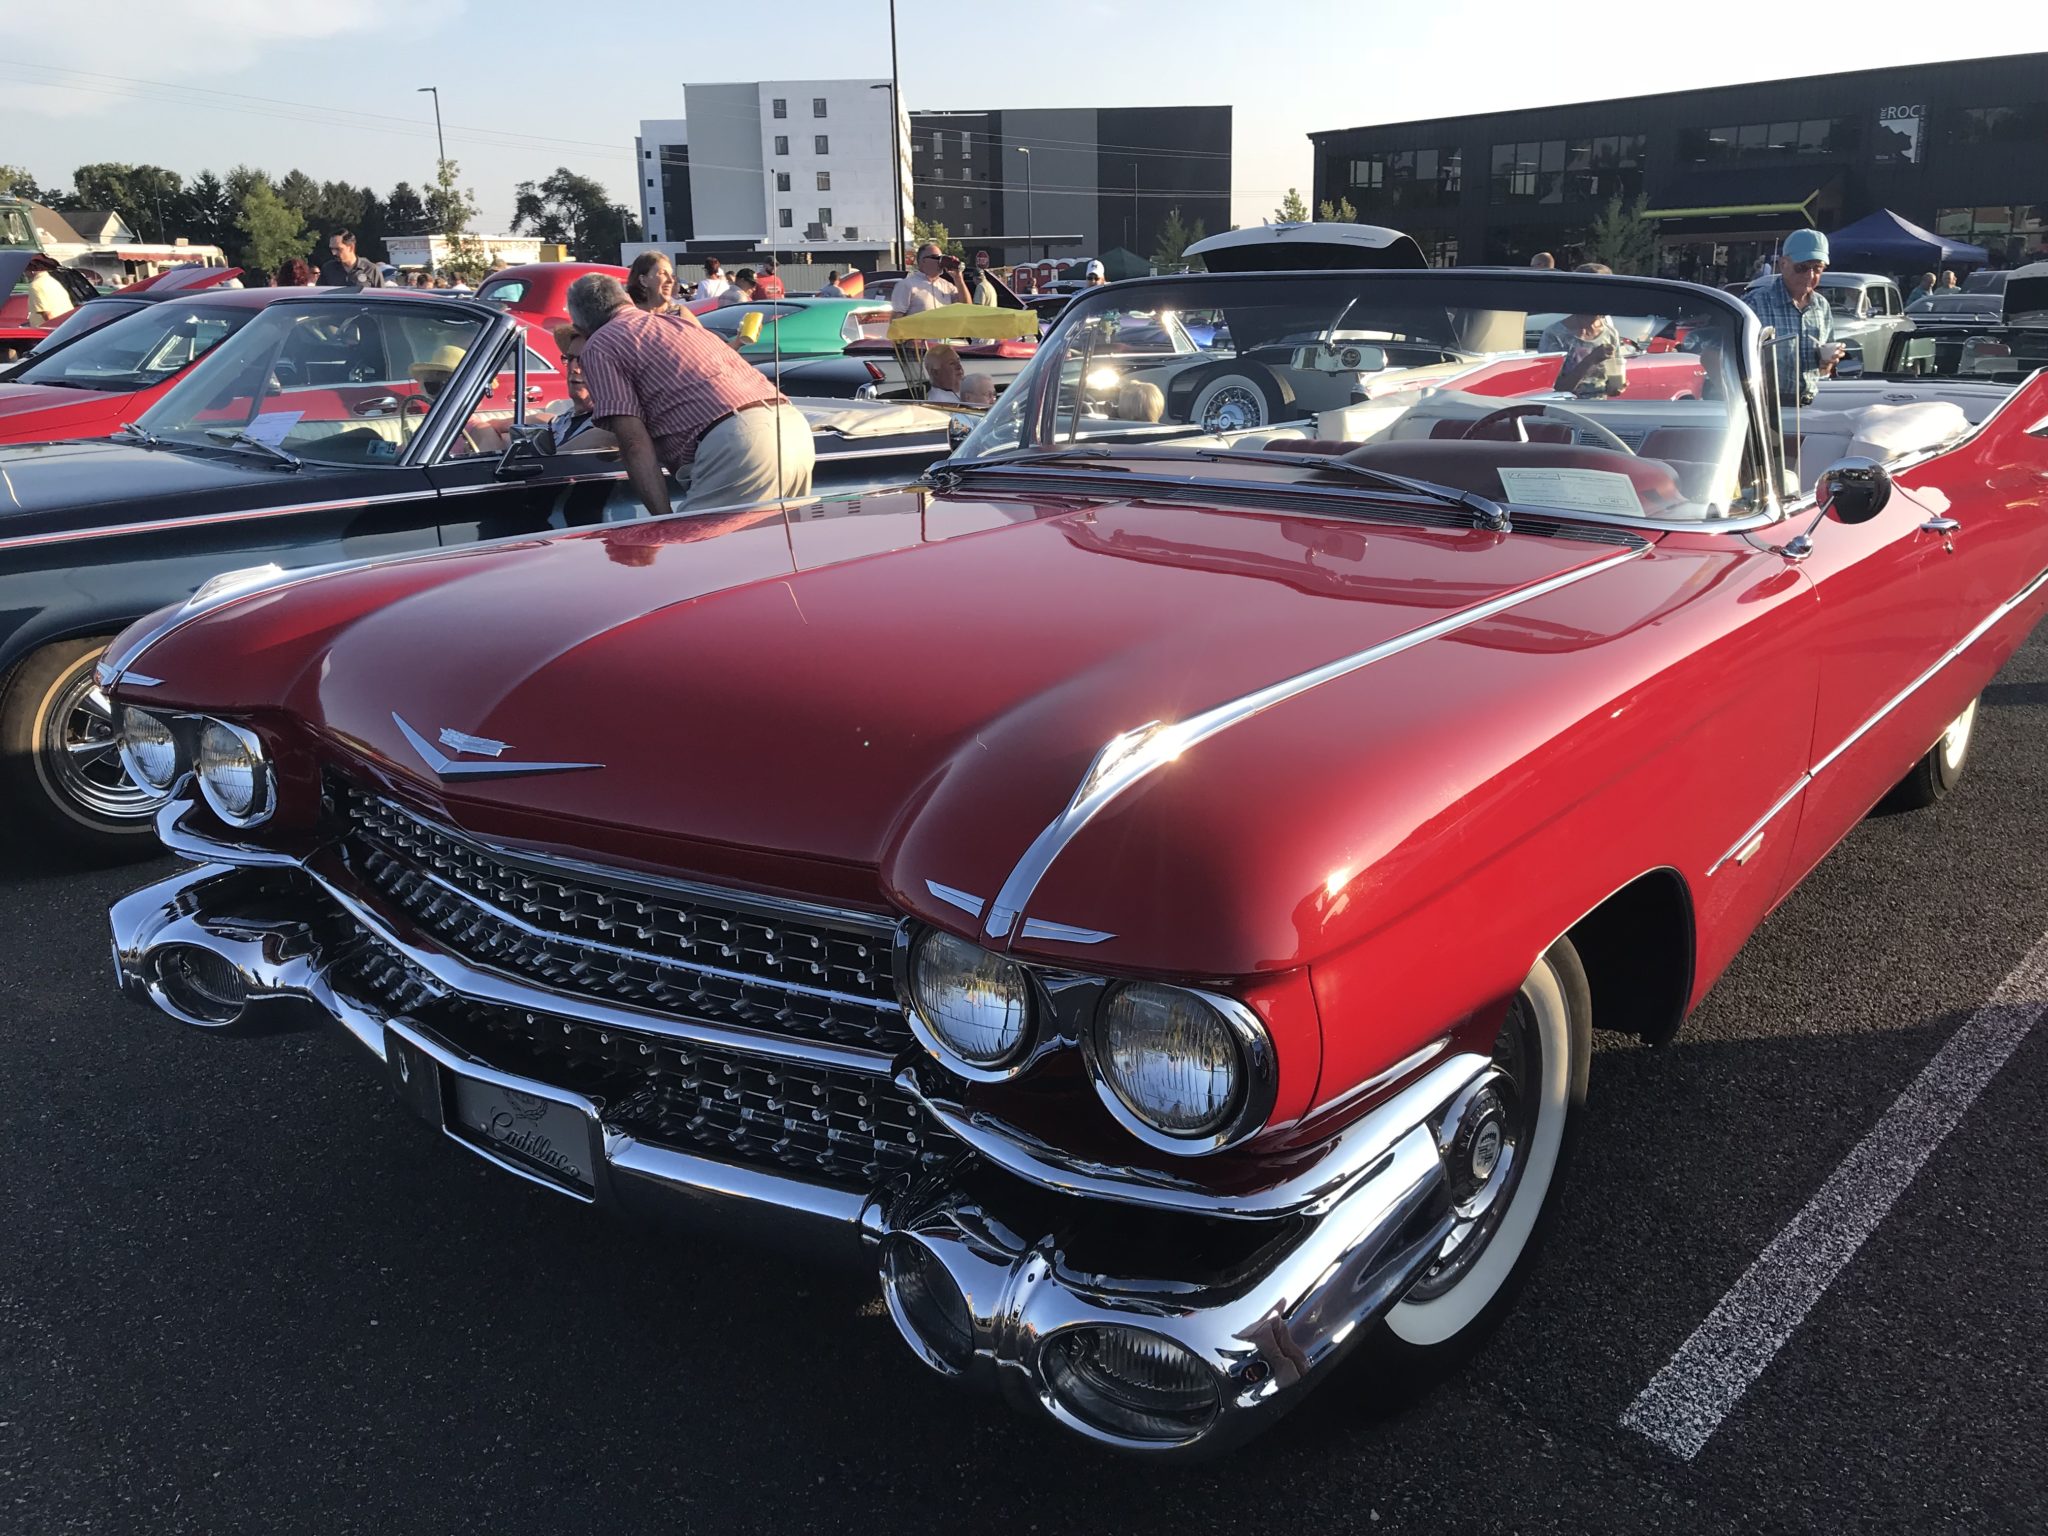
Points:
[(1486, 1135), (80, 758), (1955, 741), (1233, 410)]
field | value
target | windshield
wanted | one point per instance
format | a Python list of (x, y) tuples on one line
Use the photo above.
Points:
[(335, 383), (143, 346), (1847, 301), (15, 233), (1631, 403)]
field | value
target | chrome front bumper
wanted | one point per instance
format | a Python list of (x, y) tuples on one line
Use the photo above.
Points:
[(983, 1284)]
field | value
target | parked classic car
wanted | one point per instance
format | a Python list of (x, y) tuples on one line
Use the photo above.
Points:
[(17, 336), (108, 361), (538, 292), (1151, 896), (1868, 312), (331, 426)]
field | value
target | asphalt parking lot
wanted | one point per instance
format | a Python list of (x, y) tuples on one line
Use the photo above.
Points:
[(244, 1291)]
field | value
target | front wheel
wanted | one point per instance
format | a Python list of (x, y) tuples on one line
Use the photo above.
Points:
[(1507, 1145), (60, 775)]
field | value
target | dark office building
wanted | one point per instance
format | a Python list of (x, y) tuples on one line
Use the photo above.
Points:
[(1071, 183), (1960, 148)]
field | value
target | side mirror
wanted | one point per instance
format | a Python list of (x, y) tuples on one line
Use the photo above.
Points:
[(1854, 490), (527, 450)]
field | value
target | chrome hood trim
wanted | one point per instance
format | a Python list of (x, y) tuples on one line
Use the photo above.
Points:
[(1128, 759)]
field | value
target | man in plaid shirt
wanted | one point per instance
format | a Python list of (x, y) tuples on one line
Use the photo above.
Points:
[(1792, 306)]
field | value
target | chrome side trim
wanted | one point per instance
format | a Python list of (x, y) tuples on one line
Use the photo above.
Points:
[(207, 519), (1308, 1185), (1063, 933), (1135, 755), (1739, 850), (447, 767)]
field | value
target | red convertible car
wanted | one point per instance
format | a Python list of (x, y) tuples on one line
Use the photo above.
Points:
[(1150, 894), (538, 293)]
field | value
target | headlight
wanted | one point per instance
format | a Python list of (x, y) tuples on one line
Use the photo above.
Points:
[(148, 749), (976, 1006), (234, 775), (1184, 1070)]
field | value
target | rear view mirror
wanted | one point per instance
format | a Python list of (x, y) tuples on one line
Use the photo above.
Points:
[(1854, 490)]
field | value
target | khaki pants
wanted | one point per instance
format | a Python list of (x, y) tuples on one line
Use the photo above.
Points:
[(737, 461)]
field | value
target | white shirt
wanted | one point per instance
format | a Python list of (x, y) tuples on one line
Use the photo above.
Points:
[(47, 300), (917, 293), (714, 288)]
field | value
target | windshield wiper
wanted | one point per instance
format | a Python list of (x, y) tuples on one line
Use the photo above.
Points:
[(142, 435), (1490, 515), (235, 437)]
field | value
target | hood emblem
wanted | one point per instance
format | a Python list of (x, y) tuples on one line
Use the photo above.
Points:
[(450, 768)]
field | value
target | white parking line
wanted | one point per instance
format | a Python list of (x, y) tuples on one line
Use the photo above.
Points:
[(1685, 1403)]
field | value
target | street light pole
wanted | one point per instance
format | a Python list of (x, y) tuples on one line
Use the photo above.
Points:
[(895, 90), (1029, 211), (439, 142)]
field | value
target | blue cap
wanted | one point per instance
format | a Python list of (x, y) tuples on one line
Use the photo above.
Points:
[(1806, 245)]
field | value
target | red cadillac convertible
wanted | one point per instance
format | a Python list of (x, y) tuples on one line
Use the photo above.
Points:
[(1150, 894)]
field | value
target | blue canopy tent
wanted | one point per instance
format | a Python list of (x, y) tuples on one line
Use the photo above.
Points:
[(1884, 242)]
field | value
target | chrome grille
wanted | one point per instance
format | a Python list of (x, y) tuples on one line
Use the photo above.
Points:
[(846, 1127), (574, 933)]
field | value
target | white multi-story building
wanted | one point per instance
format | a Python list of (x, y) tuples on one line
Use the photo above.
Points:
[(806, 169)]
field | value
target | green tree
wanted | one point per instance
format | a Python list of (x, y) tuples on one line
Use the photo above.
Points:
[(922, 230), (143, 195), (242, 180), (1292, 209), (1339, 212), (1174, 239), (207, 214), (300, 191), (575, 211), (1622, 238), (452, 207), (272, 229), (405, 211), (15, 181)]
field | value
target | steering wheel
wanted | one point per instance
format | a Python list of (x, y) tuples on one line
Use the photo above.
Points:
[(1575, 419)]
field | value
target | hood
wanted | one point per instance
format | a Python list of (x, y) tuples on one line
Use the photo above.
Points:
[(894, 690), (53, 479), (44, 412)]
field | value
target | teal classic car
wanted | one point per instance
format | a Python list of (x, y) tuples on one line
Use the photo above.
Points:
[(802, 327)]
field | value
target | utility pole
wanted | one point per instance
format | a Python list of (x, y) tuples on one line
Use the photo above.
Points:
[(895, 145), (1030, 219)]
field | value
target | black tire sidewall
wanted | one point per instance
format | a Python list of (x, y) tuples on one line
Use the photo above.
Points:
[(41, 817)]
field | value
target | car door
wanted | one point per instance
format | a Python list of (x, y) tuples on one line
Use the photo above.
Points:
[(491, 489), (1895, 594)]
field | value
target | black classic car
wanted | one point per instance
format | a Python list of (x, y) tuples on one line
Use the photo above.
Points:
[(334, 427)]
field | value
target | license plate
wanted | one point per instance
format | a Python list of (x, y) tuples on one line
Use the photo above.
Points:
[(537, 1134)]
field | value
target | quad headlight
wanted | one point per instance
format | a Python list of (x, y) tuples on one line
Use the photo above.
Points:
[(148, 748), (974, 1007), (1184, 1070), (234, 774)]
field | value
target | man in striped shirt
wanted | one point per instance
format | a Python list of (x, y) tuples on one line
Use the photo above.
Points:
[(678, 400)]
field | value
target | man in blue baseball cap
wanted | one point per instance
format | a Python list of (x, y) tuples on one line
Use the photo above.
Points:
[(1791, 305)]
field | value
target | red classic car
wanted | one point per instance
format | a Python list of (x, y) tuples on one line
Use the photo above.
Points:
[(17, 335), (1152, 893), (539, 291)]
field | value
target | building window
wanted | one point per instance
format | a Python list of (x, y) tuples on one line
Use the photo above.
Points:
[(785, 218), (782, 143), (1767, 141), (824, 181), (1368, 175), (1588, 169), (963, 143), (650, 181), (650, 210), (648, 153), (817, 106), (780, 106), (824, 215), (782, 181), (822, 144), (2001, 125), (939, 201), (2012, 232)]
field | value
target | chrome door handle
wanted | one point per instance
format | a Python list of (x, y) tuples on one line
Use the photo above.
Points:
[(1946, 527), (533, 391), (376, 405)]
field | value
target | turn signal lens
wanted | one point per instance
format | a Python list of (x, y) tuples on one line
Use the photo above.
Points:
[(1171, 1058), (234, 774), (148, 749), (976, 1004)]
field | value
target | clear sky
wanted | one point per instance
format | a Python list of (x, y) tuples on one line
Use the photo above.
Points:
[(527, 85)]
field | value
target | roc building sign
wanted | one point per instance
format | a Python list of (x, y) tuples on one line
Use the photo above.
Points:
[(1900, 132)]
